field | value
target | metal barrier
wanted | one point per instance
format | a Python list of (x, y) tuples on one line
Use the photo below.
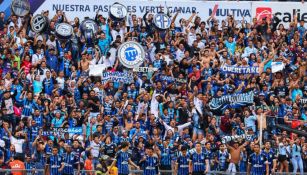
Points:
[(23, 171)]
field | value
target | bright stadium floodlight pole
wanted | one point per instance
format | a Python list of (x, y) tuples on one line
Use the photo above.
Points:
[(260, 134)]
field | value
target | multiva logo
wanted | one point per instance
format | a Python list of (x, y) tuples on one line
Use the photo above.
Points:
[(286, 16), (235, 12), (262, 12)]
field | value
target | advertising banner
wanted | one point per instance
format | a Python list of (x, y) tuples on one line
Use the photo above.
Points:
[(204, 9), (283, 10)]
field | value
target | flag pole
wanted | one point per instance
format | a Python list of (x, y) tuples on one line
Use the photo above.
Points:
[(260, 134)]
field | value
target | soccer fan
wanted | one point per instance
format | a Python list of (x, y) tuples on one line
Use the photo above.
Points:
[(257, 162), (122, 160), (208, 92)]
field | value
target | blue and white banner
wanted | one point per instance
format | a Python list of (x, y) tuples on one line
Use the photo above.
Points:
[(232, 101), (239, 69), (145, 69), (124, 77), (60, 131), (172, 79)]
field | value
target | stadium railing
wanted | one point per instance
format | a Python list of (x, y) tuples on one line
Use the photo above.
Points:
[(23, 171)]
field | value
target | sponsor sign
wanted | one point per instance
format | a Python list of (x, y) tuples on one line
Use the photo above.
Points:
[(284, 11), (131, 54)]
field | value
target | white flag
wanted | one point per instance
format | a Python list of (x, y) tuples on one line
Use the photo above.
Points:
[(277, 66), (96, 70)]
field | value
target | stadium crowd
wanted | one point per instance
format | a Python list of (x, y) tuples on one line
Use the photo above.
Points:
[(153, 123)]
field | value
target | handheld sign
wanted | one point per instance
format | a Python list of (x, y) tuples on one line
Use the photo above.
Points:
[(20, 7), (118, 12), (39, 23), (131, 54), (63, 31), (89, 24), (162, 21)]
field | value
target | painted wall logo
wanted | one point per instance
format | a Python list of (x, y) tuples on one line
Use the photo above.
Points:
[(262, 12)]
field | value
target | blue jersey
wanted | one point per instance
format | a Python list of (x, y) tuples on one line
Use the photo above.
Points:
[(32, 132), (270, 156), (54, 162), (39, 120), (70, 161), (122, 160), (222, 158), (198, 161), (39, 157), (183, 164), (258, 164), (151, 165), (29, 166), (166, 158), (27, 107)]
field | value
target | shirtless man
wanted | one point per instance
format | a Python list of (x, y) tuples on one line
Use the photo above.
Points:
[(206, 58), (262, 121), (235, 151), (84, 64)]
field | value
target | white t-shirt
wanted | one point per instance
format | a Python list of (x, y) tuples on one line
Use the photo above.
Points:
[(120, 33), (179, 55), (17, 143), (51, 43), (191, 38), (36, 58), (18, 41), (95, 148), (61, 82)]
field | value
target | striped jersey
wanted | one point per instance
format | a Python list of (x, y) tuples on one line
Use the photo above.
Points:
[(166, 158), (70, 161), (183, 164), (122, 162), (222, 158), (151, 165), (39, 157), (29, 166), (198, 161), (270, 156), (54, 162), (27, 107), (258, 163)]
